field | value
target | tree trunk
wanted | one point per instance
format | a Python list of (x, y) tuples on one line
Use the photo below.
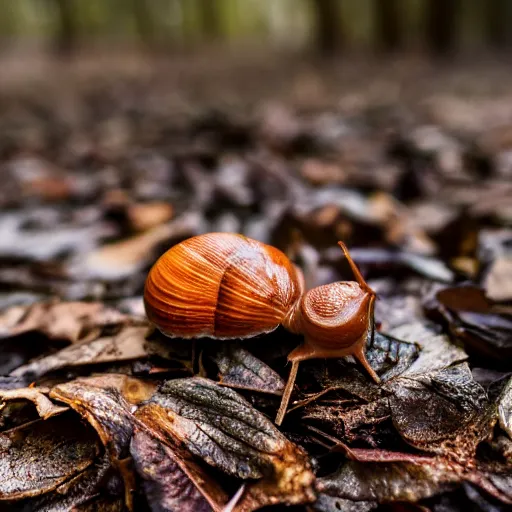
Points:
[(328, 29), (388, 24), (497, 22), (210, 19), (143, 21), (441, 19), (66, 38)]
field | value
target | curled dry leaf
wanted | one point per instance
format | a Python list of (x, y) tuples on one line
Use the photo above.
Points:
[(127, 344), (219, 426), (472, 319), (39, 456), (103, 402), (62, 320), (173, 480), (106, 403), (238, 368), (45, 407)]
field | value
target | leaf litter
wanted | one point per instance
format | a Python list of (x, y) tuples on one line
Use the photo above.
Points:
[(100, 412)]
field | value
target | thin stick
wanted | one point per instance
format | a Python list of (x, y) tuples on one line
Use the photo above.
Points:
[(287, 393), (359, 277)]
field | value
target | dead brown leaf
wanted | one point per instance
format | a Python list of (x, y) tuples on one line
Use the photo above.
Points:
[(69, 321), (45, 407), (126, 345)]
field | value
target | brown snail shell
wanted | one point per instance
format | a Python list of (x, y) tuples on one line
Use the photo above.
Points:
[(221, 285)]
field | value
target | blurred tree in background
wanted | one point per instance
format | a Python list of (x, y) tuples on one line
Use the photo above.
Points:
[(327, 27)]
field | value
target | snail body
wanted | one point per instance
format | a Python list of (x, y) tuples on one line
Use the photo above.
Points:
[(228, 286)]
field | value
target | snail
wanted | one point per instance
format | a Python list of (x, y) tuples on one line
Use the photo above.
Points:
[(228, 286)]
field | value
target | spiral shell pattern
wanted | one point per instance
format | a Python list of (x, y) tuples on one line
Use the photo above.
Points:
[(221, 285)]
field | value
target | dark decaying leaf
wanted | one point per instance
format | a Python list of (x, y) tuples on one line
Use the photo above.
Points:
[(411, 479), (390, 356), (505, 408), (172, 479), (106, 403), (220, 427), (439, 410), (97, 488), (39, 456), (384, 476), (45, 407), (472, 319), (127, 344), (238, 368), (444, 412)]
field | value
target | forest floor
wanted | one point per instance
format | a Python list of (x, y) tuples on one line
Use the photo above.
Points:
[(108, 160)]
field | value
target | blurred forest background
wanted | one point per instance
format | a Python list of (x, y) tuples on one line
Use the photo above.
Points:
[(325, 27)]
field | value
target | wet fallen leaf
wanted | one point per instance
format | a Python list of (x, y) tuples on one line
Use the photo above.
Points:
[(96, 488), (106, 402), (220, 427), (382, 476), (172, 479), (444, 411), (436, 349), (238, 368), (40, 456)]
